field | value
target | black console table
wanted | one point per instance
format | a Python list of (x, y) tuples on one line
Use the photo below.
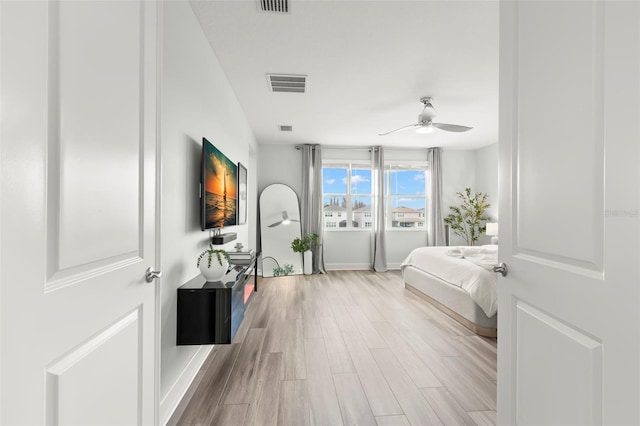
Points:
[(211, 311)]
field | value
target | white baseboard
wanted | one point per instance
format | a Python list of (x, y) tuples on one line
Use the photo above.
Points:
[(170, 402), (347, 266), (352, 267), (357, 266)]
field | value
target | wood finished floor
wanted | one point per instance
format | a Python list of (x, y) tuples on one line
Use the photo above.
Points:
[(344, 348)]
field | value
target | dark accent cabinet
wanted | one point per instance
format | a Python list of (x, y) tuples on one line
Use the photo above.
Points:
[(210, 312)]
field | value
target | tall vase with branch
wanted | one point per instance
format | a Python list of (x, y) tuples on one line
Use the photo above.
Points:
[(468, 220)]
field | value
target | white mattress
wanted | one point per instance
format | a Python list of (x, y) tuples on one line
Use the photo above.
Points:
[(478, 282)]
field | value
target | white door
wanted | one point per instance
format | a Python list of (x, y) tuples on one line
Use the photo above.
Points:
[(569, 202), (78, 201)]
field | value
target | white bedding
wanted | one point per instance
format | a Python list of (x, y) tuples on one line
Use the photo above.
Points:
[(469, 268)]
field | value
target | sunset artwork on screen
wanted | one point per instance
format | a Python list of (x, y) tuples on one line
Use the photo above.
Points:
[(220, 177)]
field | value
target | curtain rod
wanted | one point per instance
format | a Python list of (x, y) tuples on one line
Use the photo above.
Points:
[(299, 147), (368, 148)]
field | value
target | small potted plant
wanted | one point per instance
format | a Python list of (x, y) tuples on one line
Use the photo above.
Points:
[(286, 269), (305, 245), (213, 270)]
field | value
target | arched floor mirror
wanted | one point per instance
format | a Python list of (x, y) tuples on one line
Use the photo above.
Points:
[(279, 226)]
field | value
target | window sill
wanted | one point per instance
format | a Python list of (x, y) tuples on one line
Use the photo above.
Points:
[(406, 230), (348, 229), (370, 230)]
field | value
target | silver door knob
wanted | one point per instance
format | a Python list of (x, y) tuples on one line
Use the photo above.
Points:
[(151, 275), (502, 268)]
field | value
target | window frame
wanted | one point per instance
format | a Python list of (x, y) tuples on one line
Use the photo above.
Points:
[(350, 165), (399, 165), (389, 165)]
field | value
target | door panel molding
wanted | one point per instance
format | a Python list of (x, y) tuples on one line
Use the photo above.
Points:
[(82, 273), (582, 128), (560, 263), (69, 401), (542, 375), (89, 195)]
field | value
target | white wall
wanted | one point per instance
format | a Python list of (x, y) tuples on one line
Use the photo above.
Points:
[(348, 250), (458, 172), (197, 102), (487, 178), (280, 164)]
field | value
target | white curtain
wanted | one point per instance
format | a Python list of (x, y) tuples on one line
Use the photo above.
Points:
[(435, 222), (311, 209), (379, 235)]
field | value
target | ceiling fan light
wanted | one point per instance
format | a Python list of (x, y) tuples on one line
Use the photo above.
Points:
[(425, 128), (286, 222)]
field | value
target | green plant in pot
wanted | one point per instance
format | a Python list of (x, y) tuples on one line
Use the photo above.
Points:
[(213, 263), (286, 269), (304, 245), (468, 219)]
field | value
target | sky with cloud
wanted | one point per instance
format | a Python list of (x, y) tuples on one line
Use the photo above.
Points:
[(403, 182)]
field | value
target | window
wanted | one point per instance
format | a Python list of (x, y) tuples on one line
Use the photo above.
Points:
[(347, 195), (406, 195), (346, 189)]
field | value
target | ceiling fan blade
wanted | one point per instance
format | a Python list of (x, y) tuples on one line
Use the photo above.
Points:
[(397, 130), (451, 127), (285, 220)]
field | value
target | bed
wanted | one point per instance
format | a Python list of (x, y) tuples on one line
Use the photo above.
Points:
[(457, 280)]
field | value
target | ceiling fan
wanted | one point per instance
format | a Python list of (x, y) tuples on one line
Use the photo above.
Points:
[(285, 220), (425, 121)]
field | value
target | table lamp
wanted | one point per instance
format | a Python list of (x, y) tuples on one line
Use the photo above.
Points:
[(492, 231)]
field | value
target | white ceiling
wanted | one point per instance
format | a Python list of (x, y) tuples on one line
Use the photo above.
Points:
[(368, 64)]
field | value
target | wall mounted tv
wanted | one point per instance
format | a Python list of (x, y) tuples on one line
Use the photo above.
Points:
[(218, 188)]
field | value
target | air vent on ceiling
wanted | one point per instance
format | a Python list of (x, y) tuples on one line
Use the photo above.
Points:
[(277, 6), (287, 83), (286, 128)]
